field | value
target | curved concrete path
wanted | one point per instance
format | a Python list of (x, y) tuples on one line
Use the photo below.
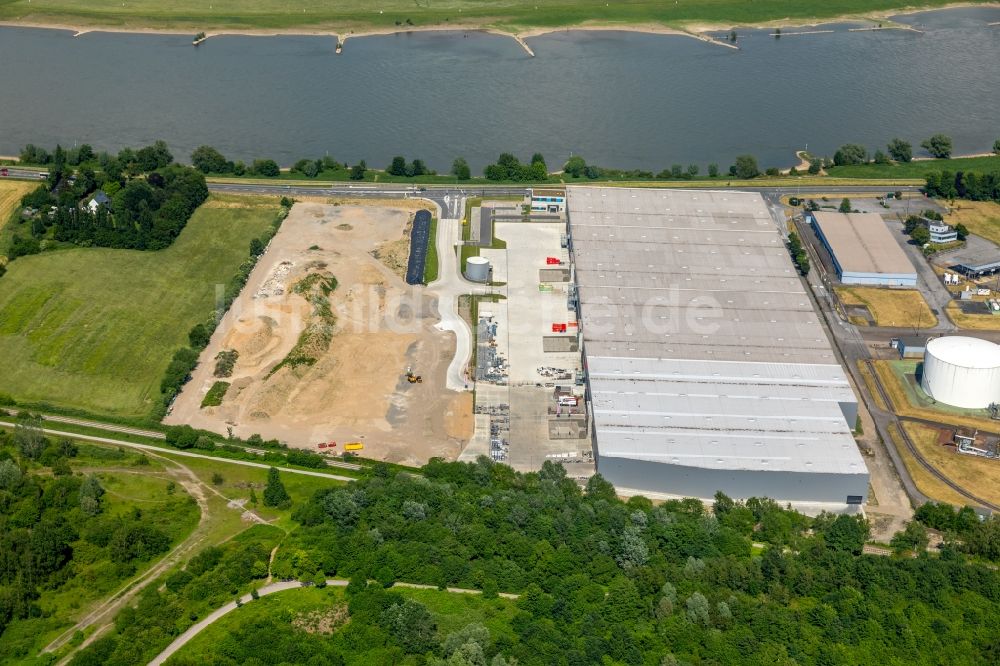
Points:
[(281, 586), (448, 287)]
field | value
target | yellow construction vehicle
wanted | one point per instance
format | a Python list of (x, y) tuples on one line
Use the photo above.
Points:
[(353, 446), (412, 378)]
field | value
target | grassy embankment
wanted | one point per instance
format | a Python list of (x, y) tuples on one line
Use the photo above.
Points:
[(287, 609), (357, 15), (431, 262), (891, 307), (917, 169), (95, 328)]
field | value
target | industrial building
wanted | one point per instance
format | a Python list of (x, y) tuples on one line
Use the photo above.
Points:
[(707, 367), (962, 371), (863, 249), (941, 232), (547, 201), (976, 260)]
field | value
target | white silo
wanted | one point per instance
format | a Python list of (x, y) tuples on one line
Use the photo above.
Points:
[(962, 371), (477, 269)]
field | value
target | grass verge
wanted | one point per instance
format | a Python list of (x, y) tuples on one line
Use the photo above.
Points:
[(917, 169), (400, 14), (431, 262)]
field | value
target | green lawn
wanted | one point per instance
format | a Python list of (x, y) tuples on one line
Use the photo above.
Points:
[(451, 612), (94, 328), (360, 14), (917, 169)]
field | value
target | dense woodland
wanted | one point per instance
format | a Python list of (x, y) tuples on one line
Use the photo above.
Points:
[(959, 185), (601, 580), (151, 199), (57, 531)]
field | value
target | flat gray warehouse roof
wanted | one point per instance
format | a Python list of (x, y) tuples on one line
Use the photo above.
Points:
[(702, 347), (862, 243)]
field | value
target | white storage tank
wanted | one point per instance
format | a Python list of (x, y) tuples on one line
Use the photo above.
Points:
[(962, 371), (477, 269)]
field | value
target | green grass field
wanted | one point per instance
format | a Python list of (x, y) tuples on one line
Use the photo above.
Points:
[(451, 612), (918, 169), (94, 328), (388, 14)]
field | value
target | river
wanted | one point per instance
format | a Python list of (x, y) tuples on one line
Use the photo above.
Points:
[(617, 98)]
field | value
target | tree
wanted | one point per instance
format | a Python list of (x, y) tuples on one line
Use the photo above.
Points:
[(849, 154), (815, 166), (460, 169), (912, 539), (217, 479), (880, 158), (412, 625), (900, 150), (713, 170), (91, 493), (745, 167), (575, 166), (697, 609), (209, 160), (921, 235), (199, 336), (996, 146), (10, 475), (845, 205), (847, 534), (266, 168), (398, 166), (274, 493), (153, 157), (358, 170), (938, 146), (962, 231), (29, 438)]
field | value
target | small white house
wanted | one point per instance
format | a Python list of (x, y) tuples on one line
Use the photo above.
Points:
[(941, 232), (98, 200)]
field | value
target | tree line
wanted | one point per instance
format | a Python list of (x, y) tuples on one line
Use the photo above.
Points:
[(963, 185), (185, 359)]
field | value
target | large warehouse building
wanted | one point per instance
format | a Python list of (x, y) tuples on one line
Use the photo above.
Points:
[(863, 249), (708, 368)]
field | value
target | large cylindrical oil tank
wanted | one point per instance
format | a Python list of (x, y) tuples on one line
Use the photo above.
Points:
[(962, 371), (477, 269)]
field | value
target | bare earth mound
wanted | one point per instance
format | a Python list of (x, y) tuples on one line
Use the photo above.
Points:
[(325, 334)]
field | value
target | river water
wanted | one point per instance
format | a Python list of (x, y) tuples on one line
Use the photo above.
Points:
[(617, 98)]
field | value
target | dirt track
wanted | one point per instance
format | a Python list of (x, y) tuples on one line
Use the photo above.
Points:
[(353, 385)]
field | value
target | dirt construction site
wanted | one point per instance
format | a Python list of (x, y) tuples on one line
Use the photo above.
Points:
[(331, 345)]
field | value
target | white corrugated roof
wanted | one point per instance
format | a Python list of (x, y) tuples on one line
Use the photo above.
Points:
[(702, 346)]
